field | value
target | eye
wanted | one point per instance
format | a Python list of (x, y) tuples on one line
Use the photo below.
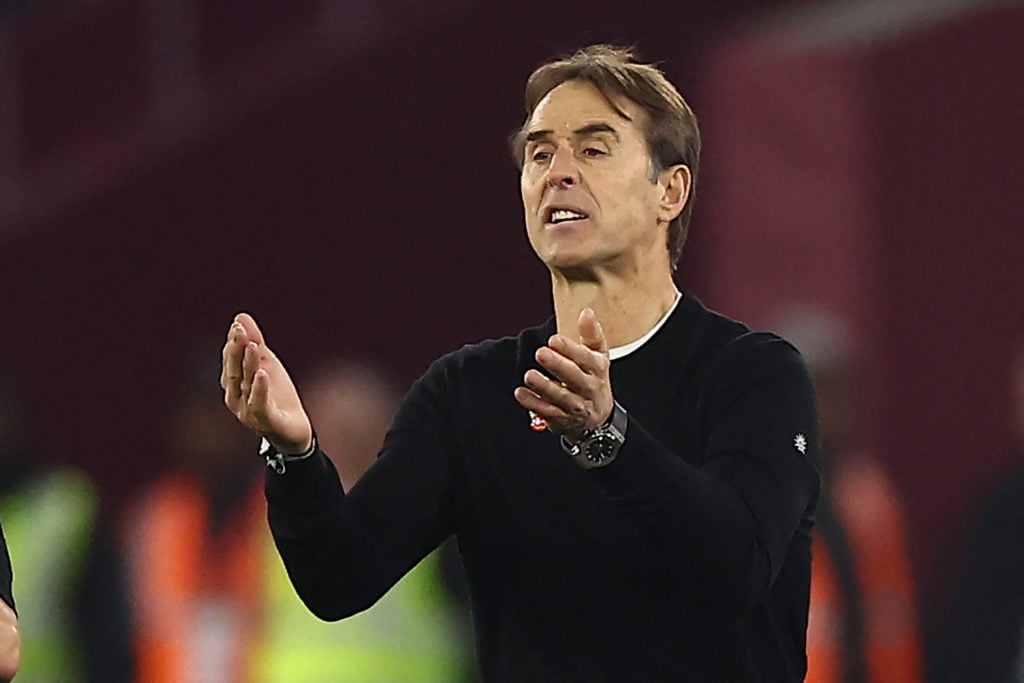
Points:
[(540, 156), (593, 152)]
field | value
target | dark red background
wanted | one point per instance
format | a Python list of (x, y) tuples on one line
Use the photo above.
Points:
[(347, 181)]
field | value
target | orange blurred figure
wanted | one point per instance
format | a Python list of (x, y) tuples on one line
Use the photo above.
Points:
[(862, 625)]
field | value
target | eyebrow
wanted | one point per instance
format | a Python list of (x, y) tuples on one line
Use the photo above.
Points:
[(588, 129)]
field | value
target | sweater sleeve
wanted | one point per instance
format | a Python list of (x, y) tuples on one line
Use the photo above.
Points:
[(343, 552), (5, 572), (726, 518)]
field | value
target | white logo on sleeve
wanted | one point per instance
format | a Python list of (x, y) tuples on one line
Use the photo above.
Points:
[(800, 443)]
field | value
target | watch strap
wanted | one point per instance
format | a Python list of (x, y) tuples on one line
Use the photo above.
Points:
[(619, 420)]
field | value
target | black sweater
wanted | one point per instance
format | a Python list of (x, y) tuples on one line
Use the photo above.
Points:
[(5, 572), (686, 559)]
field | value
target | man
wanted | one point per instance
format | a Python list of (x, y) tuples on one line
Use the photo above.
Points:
[(631, 483)]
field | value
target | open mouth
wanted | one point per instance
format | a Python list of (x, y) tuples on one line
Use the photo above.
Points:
[(556, 216)]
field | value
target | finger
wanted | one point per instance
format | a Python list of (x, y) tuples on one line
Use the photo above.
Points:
[(231, 365), (248, 323), (259, 398), (226, 360), (571, 375), (556, 394), (591, 332), (250, 364), (590, 361), (558, 421), (532, 401)]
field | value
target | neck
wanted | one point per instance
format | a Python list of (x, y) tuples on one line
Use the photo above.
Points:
[(627, 307)]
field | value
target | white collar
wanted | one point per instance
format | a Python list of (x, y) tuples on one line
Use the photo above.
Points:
[(626, 349)]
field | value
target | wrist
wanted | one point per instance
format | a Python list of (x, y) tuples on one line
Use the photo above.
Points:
[(600, 446), (575, 438), (295, 442), (292, 448), (277, 459)]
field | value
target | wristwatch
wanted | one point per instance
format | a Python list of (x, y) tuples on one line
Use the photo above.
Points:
[(276, 460), (598, 447)]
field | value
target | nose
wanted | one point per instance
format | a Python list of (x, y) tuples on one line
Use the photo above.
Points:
[(563, 170)]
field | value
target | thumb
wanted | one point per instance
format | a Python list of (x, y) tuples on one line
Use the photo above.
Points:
[(591, 332)]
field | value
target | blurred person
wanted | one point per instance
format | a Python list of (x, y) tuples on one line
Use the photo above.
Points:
[(194, 550), (863, 621), (10, 637), (669, 542), (981, 637), (73, 616), (353, 404), (214, 602)]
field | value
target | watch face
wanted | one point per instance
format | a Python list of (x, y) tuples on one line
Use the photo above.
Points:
[(601, 447)]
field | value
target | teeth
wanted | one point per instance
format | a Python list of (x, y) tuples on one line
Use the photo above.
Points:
[(565, 215)]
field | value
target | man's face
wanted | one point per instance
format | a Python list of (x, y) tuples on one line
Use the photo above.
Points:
[(586, 182)]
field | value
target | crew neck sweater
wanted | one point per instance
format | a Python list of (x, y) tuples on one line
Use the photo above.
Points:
[(685, 559)]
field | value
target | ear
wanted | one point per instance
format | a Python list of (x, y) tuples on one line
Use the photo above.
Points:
[(674, 183)]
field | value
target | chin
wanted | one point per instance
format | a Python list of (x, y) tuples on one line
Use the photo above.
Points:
[(572, 266)]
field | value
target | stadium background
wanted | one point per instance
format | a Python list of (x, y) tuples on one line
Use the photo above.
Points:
[(340, 171)]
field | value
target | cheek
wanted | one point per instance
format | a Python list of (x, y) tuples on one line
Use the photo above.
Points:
[(528, 191), (634, 196), (532, 195)]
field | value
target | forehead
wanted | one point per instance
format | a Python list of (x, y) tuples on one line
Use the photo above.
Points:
[(573, 104)]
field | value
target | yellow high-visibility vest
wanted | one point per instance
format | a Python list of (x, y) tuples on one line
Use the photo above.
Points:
[(411, 635)]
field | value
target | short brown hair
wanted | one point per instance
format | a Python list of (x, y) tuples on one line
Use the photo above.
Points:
[(671, 132)]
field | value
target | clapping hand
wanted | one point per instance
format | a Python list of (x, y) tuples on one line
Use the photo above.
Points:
[(258, 390), (579, 397)]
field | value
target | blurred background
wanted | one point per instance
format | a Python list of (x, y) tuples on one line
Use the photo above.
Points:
[(340, 170)]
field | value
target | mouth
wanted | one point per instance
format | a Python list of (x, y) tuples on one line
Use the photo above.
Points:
[(556, 216)]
